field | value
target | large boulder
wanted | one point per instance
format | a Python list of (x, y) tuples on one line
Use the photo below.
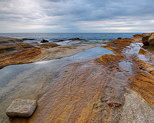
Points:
[(78, 39), (21, 108), (148, 39)]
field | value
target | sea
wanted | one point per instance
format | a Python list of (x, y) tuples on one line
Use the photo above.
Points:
[(65, 36)]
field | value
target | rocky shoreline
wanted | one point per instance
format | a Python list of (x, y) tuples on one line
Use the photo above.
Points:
[(15, 51), (113, 88)]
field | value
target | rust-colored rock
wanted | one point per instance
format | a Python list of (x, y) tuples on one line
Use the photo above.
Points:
[(109, 59), (143, 84), (138, 35), (102, 90), (121, 43), (23, 56), (48, 45), (113, 104)]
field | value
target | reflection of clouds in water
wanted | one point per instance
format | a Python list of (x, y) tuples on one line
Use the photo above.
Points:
[(9, 73), (133, 49), (126, 65), (42, 62), (67, 42), (91, 53), (142, 57)]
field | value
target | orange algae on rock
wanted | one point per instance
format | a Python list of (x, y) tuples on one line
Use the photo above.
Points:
[(121, 43), (115, 50), (24, 56), (143, 84), (109, 59), (89, 92), (142, 51), (143, 80)]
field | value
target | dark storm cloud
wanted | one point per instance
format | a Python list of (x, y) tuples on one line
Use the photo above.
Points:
[(77, 15)]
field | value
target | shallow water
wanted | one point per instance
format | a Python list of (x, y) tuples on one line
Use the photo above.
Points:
[(26, 80), (133, 48), (126, 66), (12, 72), (9, 72)]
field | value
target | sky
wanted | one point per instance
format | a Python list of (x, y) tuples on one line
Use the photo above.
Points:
[(76, 16)]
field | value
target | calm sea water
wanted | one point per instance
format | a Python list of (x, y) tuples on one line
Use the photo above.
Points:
[(65, 36)]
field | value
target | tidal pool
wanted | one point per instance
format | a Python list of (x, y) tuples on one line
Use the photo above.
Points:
[(26, 80), (9, 72)]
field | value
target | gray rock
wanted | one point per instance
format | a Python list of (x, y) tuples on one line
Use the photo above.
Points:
[(21, 108)]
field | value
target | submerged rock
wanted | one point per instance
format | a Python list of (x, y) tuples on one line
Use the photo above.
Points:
[(28, 39), (21, 108), (76, 39), (60, 41)]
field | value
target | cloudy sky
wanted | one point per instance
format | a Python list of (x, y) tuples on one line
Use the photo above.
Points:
[(76, 16)]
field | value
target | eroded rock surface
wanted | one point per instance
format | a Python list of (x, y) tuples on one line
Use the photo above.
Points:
[(136, 110), (21, 108), (14, 51), (109, 89)]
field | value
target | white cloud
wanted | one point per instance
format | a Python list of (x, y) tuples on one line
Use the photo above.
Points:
[(76, 15)]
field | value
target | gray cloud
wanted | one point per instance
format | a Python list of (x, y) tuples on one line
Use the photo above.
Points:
[(76, 15)]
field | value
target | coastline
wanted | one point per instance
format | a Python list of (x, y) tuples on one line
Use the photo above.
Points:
[(15, 51), (112, 88)]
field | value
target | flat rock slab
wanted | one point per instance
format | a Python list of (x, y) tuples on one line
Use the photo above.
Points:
[(21, 108)]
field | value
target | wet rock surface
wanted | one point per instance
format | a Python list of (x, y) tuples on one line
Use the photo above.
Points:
[(14, 51), (44, 41), (110, 89), (28, 39), (77, 39)]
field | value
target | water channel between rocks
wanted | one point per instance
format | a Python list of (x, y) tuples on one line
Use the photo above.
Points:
[(10, 72), (25, 80)]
